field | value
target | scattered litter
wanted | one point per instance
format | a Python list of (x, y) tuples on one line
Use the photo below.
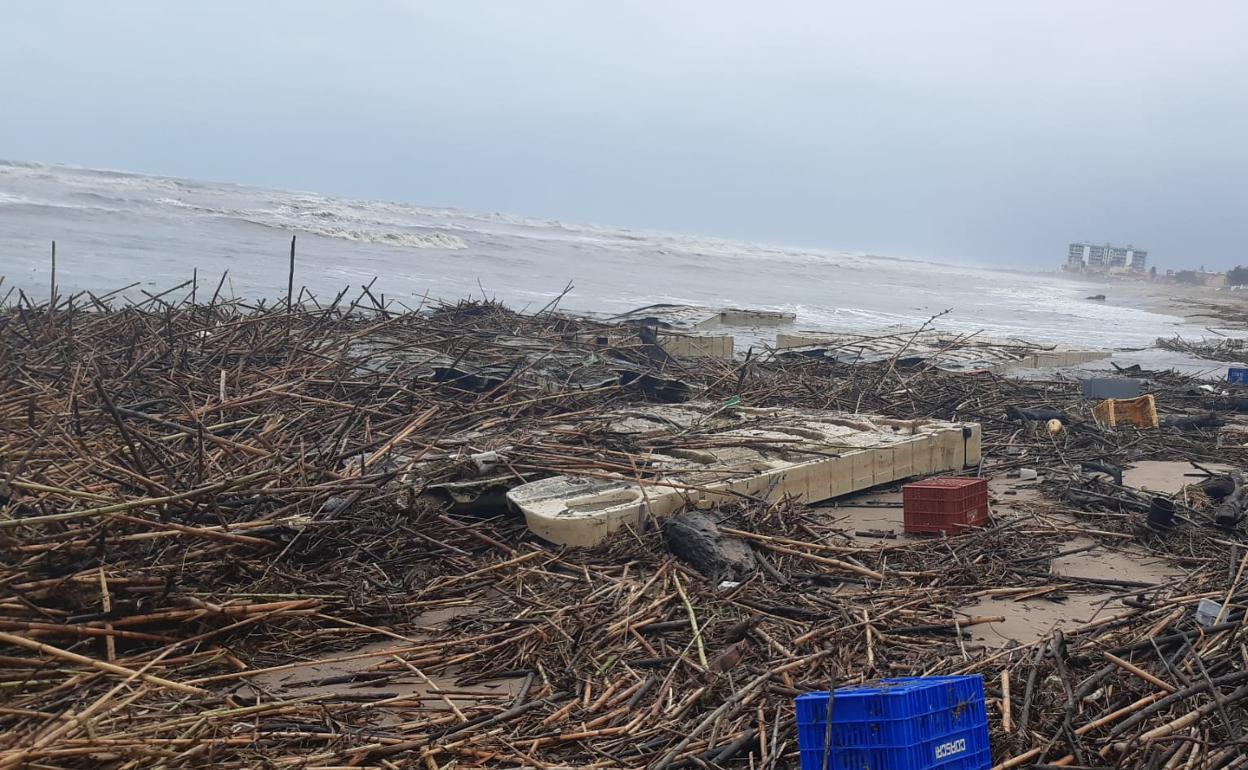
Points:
[(1110, 387), (1191, 422), (1140, 412), (945, 505), (1161, 513), (1207, 612), (1035, 414), (317, 566), (911, 723)]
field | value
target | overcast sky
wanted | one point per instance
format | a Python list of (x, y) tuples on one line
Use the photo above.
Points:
[(989, 131)]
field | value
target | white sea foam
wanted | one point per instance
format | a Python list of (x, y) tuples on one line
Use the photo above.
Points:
[(9, 199), (329, 221), (408, 240)]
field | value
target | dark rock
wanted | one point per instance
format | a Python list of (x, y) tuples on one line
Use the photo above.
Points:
[(695, 539)]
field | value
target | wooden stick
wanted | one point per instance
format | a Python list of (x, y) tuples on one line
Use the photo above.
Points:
[(1007, 721), (132, 504), (106, 603), (825, 561), (1137, 671), (693, 621), (112, 668)]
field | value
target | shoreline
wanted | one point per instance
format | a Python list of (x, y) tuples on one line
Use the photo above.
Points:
[(1193, 304)]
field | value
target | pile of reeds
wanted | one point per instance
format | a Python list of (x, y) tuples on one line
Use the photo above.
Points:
[(222, 542), (1230, 349)]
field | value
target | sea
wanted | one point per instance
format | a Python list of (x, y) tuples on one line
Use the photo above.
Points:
[(114, 228)]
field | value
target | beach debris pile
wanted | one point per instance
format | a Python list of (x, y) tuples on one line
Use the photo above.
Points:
[(927, 347), (1230, 349), (277, 534), (696, 454)]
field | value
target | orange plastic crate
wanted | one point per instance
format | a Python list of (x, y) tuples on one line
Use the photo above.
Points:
[(1140, 412)]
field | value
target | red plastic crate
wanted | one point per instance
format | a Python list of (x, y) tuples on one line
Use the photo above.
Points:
[(945, 505)]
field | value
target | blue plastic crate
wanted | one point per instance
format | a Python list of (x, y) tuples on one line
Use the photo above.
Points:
[(881, 759), (888, 732), (961, 698), (900, 698), (887, 700), (967, 749), (1237, 375), (898, 724)]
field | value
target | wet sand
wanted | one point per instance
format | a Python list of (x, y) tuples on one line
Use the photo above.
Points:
[(1033, 615), (376, 669), (1223, 309)]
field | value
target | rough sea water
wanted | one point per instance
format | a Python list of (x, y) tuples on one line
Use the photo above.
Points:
[(114, 228)]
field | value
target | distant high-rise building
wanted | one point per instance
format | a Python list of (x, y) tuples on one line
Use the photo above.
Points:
[(1096, 256), (1074, 256), (1103, 257)]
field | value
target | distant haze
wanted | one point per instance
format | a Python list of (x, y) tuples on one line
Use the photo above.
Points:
[(985, 131)]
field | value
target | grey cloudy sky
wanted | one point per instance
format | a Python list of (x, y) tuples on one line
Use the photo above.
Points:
[(989, 131)]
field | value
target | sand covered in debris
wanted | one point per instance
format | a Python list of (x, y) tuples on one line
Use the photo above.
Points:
[(239, 535)]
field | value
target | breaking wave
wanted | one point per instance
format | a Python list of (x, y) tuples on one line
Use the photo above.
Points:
[(7, 199), (430, 240), (329, 223), (517, 258)]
